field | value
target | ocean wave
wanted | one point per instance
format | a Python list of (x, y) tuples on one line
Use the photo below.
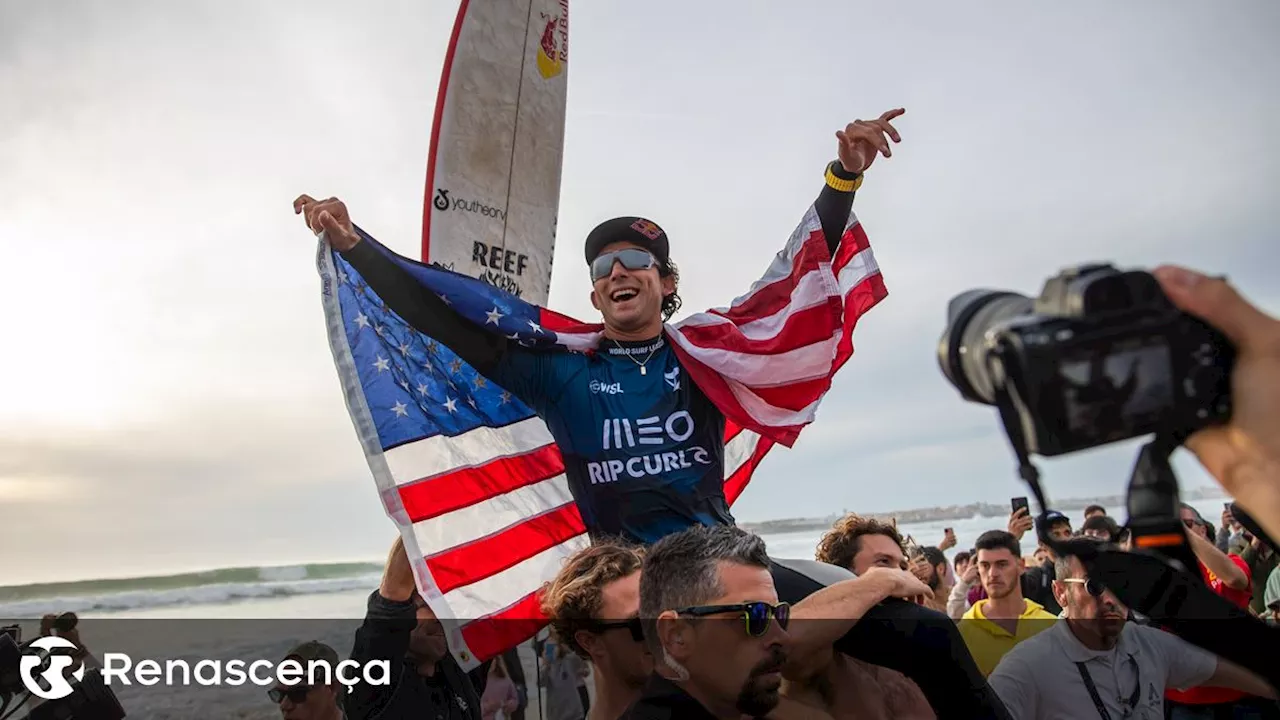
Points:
[(203, 588)]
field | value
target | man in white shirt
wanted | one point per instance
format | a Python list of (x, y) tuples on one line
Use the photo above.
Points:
[(1097, 659)]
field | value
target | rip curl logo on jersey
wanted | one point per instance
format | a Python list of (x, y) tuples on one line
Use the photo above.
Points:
[(606, 388), (647, 229), (673, 378), (624, 433)]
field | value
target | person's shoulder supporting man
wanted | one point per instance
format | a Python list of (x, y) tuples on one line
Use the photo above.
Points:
[(1040, 677)]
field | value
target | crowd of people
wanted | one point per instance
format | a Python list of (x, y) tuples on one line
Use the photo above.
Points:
[(681, 614), (692, 627)]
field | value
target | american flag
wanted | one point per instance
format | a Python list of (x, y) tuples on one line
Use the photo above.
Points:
[(472, 477)]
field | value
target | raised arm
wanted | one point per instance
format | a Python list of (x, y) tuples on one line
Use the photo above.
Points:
[(1218, 562), (837, 607), (384, 635), (421, 308), (859, 144)]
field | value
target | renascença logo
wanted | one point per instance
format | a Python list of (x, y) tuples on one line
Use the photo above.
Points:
[(52, 674), (117, 666), (46, 660)]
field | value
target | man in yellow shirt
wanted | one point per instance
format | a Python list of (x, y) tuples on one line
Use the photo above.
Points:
[(992, 627)]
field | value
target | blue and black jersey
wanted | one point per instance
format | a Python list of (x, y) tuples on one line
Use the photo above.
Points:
[(644, 457), (643, 447), (643, 450)]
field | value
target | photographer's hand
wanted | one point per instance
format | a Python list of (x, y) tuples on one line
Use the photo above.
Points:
[(1244, 455)]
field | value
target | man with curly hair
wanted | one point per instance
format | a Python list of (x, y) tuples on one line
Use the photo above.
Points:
[(642, 444), (860, 543), (867, 547), (594, 606)]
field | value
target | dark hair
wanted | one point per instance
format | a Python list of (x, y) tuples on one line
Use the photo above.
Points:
[(843, 541), (1089, 510), (683, 570), (1104, 523), (934, 556), (961, 556), (670, 303), (1210, 529), (996, 539)]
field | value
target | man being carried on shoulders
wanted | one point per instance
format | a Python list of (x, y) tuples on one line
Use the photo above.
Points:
[(639, 417)]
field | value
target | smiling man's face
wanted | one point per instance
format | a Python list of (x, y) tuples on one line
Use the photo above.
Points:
[(630, 300)]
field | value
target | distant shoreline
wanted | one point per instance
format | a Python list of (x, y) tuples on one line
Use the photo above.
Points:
[(954, 512), (278, 579)]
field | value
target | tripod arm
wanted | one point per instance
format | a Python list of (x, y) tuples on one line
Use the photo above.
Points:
[(1153, 504)]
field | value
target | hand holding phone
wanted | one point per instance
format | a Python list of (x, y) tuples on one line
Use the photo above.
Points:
[(1020, 519), (1020, 503)]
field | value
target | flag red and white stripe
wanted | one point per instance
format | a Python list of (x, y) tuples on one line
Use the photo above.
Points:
[(487, 516)]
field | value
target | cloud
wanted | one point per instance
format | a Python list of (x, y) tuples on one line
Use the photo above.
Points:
[(167, 386)]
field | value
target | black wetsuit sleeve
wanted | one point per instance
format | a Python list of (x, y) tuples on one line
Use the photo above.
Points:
[(833, 208), (424, 310), (383, 636)]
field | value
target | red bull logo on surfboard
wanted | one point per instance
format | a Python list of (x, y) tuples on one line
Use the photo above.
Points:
[(553, 48)]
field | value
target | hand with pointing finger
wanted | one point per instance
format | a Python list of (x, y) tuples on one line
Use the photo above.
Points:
[(862, 140), (328, 216)]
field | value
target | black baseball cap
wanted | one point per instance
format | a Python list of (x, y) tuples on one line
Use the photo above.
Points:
[(636, 230), (314, 651), (1051, 518)]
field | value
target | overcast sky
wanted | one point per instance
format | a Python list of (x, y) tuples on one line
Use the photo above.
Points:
[(168, 400)]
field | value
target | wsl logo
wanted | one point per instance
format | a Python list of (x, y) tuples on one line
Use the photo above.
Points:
[(607, 388), (50, 682)]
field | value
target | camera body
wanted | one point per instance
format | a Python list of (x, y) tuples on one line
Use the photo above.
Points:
[(1100, 356)]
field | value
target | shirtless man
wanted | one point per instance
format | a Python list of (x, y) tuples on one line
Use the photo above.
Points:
[(822, 683)]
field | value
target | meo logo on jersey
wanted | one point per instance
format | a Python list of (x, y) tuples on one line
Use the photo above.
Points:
[(623, 433)]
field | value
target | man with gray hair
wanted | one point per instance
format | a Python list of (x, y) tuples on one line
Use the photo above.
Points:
[(1096, 657), (714, 625)]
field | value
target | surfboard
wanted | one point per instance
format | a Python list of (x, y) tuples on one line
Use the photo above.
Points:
[(497, 143)]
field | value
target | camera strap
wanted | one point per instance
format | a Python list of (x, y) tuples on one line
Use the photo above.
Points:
[(1132, 702), (1006, 402)]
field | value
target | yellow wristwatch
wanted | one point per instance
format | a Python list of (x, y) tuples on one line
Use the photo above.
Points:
[(840, 184)]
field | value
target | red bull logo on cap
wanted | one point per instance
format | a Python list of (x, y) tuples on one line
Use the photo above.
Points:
[(647, 229)]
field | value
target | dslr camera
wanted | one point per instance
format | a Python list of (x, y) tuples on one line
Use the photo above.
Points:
[(1100, 356)]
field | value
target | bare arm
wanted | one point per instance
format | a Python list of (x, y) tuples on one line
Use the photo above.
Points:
[(788, 709), (1218, 562), (838, 607), (1230, 675)]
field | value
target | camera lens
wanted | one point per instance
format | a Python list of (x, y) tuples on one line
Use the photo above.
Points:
[(962, 351)]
